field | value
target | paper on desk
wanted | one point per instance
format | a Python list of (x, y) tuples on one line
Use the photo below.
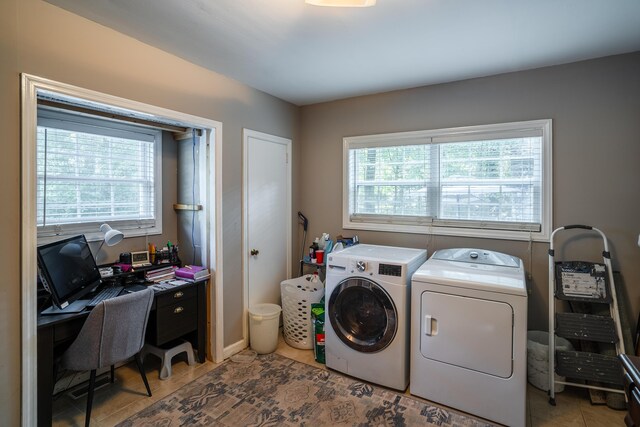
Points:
[(169, 284)]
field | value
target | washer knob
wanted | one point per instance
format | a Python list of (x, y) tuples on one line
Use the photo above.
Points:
[(361, 266)]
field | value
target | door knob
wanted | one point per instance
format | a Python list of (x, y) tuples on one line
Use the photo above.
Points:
[(254, 252)]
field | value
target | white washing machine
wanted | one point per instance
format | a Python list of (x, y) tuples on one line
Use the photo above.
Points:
[(469, 333), (367, 295)]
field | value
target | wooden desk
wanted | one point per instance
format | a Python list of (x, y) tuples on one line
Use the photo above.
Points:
[(176, 313)]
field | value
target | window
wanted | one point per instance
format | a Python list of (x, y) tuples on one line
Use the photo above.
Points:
[(91, 171), (480, 181)]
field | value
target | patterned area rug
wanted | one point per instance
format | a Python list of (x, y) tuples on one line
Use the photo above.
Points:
[(275, 391)]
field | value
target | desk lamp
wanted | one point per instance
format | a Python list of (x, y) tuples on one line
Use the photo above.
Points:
[(111, 237)]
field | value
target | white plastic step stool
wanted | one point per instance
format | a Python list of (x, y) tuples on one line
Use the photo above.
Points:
[(165, 356)]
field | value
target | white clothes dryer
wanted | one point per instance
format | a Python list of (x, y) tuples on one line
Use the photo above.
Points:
[(367, 295), (469, 333)]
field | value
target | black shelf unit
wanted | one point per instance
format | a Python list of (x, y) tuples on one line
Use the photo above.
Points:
[(320, 268)]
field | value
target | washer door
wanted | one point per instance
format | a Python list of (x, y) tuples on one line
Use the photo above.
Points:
[(363, 315)]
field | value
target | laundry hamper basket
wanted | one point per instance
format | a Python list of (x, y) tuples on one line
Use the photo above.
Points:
[(538, 359), (297, 296)]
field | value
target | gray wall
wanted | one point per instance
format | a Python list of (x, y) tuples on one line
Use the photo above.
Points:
[(595, 107), (41, 39)]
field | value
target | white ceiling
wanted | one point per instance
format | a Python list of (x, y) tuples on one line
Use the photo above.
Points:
[(307, 54)]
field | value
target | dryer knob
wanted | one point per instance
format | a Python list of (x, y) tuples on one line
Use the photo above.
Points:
[(361, 266)]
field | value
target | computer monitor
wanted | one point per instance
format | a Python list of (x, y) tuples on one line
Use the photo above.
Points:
[(67, 270)]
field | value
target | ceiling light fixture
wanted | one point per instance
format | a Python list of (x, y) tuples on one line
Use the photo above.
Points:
[(342, 3)]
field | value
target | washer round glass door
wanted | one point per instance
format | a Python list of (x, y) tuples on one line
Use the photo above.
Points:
[(363, 315)]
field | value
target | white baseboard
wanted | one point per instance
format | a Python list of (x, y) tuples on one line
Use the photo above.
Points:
[(234, 348)]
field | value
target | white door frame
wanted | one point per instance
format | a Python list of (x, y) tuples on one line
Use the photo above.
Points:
[(246, 134), (30, 86)]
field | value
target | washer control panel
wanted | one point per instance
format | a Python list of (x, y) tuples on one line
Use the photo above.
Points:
[(360, 266), (372, 267), (390, 270)]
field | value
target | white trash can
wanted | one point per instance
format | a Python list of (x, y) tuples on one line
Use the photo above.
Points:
[(297, 296), (264, 320), (538, 359)]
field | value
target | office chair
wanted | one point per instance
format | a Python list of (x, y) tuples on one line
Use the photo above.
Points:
[(113, 332)]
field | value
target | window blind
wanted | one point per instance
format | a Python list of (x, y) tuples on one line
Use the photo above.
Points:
[(88, 174), (392, 181), (483, 183), (492, 180)]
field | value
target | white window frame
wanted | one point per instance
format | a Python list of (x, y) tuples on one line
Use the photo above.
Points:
[(31, 86), (130, 228), (479, 229)]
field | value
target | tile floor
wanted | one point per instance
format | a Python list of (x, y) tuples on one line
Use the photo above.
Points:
[(127, 396)]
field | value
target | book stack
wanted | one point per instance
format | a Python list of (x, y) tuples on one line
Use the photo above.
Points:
[(161, 274), (193, 273)]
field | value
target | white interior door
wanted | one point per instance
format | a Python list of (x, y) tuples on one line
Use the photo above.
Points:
[(267, 216)]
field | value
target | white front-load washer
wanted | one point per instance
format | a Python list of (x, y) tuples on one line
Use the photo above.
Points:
[(469, 333), (367, 295)]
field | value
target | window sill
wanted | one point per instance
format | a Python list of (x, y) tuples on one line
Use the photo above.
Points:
[(98, 236), (542, 236)]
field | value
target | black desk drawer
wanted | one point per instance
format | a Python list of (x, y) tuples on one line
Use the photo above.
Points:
[(176, 296), (173, 321), (68, 330)]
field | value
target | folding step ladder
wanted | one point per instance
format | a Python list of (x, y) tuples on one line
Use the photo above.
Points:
[(585, 284)]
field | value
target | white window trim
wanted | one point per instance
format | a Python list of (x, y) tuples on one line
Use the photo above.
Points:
[(30, 86), (91, 230), (389, 224)]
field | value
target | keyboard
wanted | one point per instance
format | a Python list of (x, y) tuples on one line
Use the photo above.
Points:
[(106, 293)]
